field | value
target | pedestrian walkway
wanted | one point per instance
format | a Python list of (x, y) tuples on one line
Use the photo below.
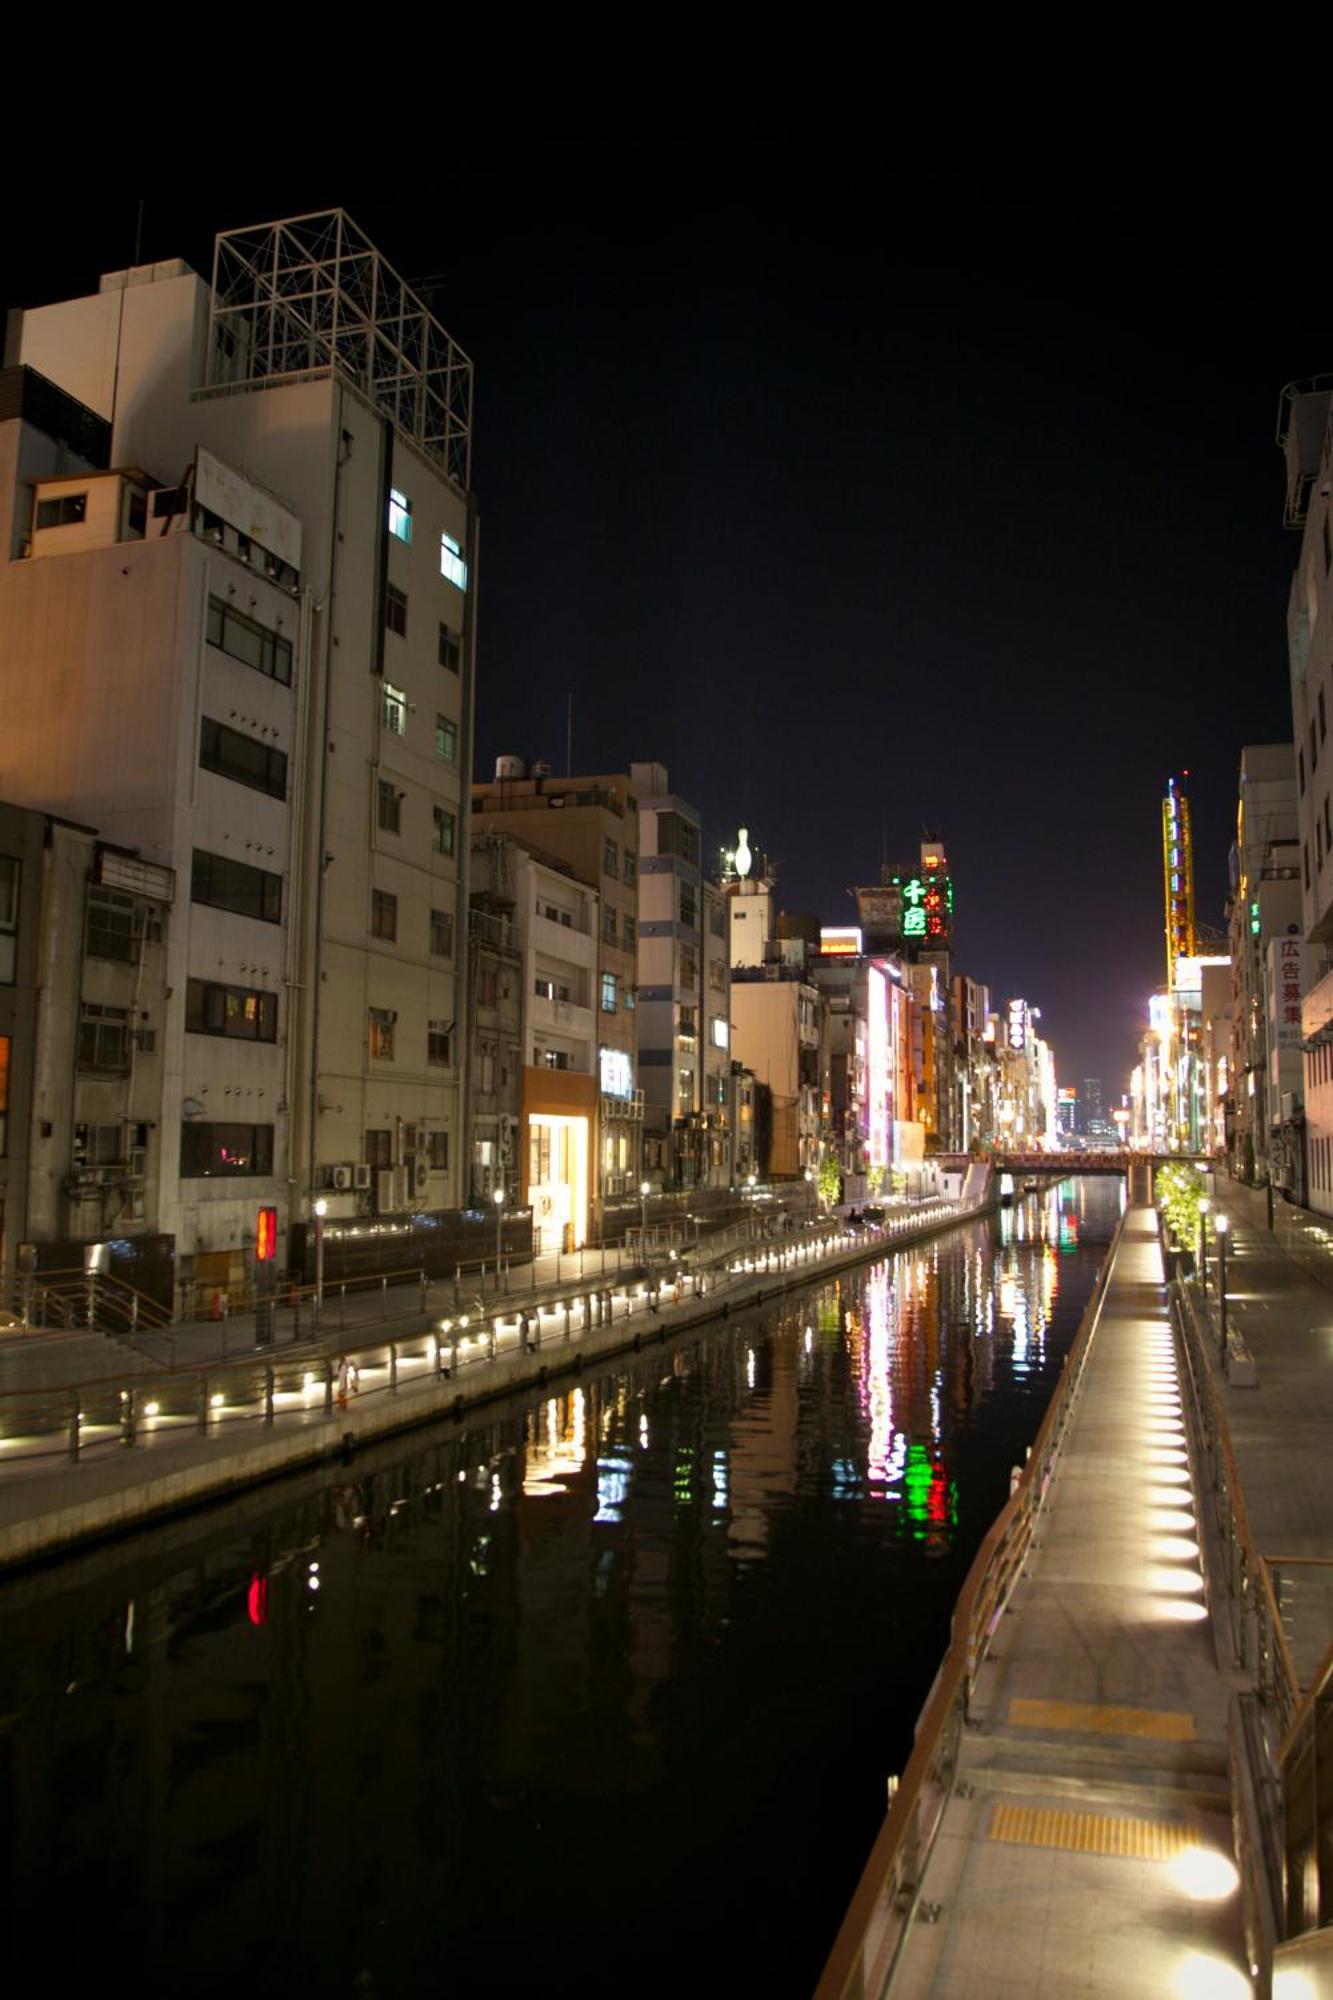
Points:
[(1090, 1821)]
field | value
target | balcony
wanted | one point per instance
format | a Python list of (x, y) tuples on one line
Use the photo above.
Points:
[(628, 1109), (559, 1017)]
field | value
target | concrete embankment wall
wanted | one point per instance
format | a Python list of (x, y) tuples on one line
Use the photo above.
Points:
[(120, 1489)]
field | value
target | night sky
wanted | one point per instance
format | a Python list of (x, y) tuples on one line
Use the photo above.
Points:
[(870, 504)]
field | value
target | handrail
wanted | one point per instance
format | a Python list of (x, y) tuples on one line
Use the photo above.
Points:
[(1249, 1583), (865, 1951)]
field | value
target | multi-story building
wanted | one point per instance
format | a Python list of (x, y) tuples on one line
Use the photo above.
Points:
[(675, 1011), (592, 825), (495, 1060), (83, 954), (974, 1066), (1264, 905), (1306, 436), (556, 922), (871, 1126), (246, 653)]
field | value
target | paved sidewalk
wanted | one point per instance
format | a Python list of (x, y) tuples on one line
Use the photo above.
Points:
[(1100, 1755)]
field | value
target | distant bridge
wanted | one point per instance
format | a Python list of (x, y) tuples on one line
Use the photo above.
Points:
[(1112, 1160)]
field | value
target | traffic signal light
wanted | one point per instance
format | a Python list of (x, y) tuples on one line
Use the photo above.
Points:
[(266, 1236)]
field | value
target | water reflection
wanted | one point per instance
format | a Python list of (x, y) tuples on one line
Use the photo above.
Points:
[(670, 1623)]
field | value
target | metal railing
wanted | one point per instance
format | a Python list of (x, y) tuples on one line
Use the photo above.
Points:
[(1254, 1615), (1305, 1757), (866, 1950), (271, 1382)]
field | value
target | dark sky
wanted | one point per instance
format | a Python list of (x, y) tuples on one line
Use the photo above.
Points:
[(867, 502)]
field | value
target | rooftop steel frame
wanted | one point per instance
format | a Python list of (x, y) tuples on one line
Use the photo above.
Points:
[(311, 294)]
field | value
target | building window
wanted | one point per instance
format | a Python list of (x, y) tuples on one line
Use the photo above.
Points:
[(389, 806), (630, 998), (452, 565), (608, 992), (9, 919), (721, 1032), (446, 739), (688, 971), (685, 1089), (688, 908), (241, 1012), (395, 610), (1328, 826), (610, 858), (1305, 856), (608, 924), (444, 824), (63, 512), (383, 915), (717, 920), (393, 710), (437, 1148), (437, 1042), (225, 884), (400, 515), (631, 867), (244, 639), (242, 758), (99, 1146), (451, 649), (1328, 542), (381, 1022), (379, 1149), (104, 1039), (208, 1150), (631, 933), (550, 1058), (442, 934)]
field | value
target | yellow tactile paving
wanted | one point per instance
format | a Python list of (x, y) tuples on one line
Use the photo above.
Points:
[(1089, 1833), (1102, 1719)]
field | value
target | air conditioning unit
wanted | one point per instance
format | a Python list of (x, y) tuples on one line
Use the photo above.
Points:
[(361, 1179), (343, 1178), (420, 1176)]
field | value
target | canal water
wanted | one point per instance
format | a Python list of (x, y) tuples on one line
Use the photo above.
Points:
[(601, 1691)]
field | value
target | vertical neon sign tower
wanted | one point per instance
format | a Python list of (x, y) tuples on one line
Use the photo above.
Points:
[(1178, 877)]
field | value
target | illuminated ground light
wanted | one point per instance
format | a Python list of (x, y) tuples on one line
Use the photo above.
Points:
[(1175, 1582), (1175, 1548), (1204, 1874), (1179, 1610), (1200, 1976)]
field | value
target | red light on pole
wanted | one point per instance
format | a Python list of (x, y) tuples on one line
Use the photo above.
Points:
[(266, 1236)]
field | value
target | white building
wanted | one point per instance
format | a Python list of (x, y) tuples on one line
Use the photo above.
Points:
[(556, 923), (246, 653)]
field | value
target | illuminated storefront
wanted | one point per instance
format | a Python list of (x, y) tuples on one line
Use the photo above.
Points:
[(559, 1108)]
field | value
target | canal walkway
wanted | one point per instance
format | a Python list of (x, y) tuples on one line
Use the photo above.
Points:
[(215, 1422), (1092, 1799)]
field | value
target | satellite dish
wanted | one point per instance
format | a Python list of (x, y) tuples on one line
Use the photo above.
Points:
[(191, 1108)]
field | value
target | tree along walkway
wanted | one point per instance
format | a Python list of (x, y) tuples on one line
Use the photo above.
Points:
[(1095, 1766)]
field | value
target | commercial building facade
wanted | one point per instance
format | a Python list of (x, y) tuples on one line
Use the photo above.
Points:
[(260, 679)]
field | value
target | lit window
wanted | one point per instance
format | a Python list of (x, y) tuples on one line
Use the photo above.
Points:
[(608, 992), (400, 515), (437, 1041), (395, 710), (720, 1032), (452, 565), (381, 1026), (442, 839), (446, 739)]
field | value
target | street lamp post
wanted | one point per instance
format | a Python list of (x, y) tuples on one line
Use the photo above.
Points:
[(754, 1221), (321, 1210), (810, 1192), (1204, 1206), (498, 1197), (1222, 1227), (643, 1219)]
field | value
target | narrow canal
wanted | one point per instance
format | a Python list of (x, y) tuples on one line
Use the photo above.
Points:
[(601, 1691)]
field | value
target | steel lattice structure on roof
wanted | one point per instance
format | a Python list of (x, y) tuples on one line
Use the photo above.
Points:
[(310, 294)]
